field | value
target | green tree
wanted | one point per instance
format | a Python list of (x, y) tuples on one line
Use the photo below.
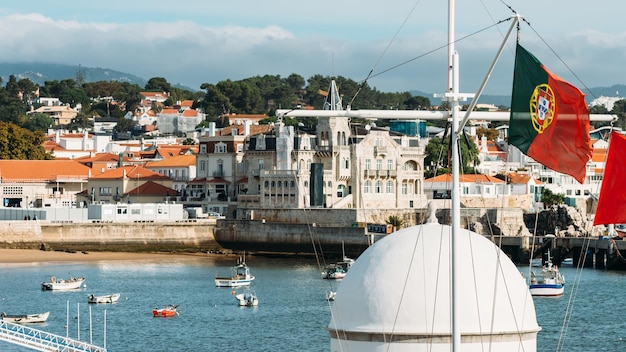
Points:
[(189, 141), (549, 198), (395, 221), (21, 144), (158, 84), (124, 125), (437, 155), (490, 133), (417, 103), (82, 122), (38, 122)]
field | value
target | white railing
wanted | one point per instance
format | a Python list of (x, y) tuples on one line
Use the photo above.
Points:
[(42, 341)]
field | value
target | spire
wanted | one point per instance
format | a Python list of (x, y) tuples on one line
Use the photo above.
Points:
[(333, 99)]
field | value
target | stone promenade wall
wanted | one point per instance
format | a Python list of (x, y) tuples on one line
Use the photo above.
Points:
[(84, 236)]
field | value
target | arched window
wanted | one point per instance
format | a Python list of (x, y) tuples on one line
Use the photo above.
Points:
[(379, 187), (267, 184), (293, 184), (273, 184), (341, 191)]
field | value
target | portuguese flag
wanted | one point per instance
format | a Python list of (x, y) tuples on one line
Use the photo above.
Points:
[(612, 202), (549, 118)]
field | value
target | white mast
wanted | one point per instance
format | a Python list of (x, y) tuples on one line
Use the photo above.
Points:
[(452, 96)]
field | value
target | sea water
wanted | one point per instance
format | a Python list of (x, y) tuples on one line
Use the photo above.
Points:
[(292, 314)]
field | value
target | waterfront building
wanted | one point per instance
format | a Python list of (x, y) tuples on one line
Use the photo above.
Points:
[(221, 176), (42, 183), (180, 168), (129, 184), (339, 165)]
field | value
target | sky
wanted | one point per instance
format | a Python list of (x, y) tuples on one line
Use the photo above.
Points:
[(396, 45)]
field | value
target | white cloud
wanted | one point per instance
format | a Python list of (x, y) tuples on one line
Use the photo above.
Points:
[(196, 42)]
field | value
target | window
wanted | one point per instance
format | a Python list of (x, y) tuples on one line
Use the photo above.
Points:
[(404, 188), (202, 148), (368, 163), (379, 187), (368, 187), (346, 163), (379, 164), (389, 164), (389, 187), (202, 165), (220, 148), (105, 191)]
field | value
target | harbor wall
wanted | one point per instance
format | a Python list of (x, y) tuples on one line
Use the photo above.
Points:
[(109, 236)]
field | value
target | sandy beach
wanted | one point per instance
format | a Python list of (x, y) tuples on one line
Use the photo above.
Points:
[(34, 255)]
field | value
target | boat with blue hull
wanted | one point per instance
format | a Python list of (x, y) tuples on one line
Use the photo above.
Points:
[(548, 282)]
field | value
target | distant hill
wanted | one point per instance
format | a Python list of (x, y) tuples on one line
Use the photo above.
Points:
[(40, 72)]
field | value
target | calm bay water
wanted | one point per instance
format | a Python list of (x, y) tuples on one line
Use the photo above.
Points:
[(292, 314)]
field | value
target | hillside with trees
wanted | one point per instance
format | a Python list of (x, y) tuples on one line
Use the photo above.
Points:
[(254, 95)]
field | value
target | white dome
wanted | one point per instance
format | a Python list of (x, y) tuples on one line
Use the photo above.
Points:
[(401, 286)]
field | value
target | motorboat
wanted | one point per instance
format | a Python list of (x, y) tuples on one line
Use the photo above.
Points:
[(247, 299), (338, 270), (112, 298), (334, 273), (240, 276), (62, 284), (25, 318), (165, 312), (548, 282)]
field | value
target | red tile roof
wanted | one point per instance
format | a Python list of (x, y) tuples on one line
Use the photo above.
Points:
[(41, 170)]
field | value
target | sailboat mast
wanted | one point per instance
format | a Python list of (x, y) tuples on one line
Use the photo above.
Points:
[(453, 99)]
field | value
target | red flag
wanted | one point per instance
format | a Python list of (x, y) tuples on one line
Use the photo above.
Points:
[(612, 202), (549, 118)]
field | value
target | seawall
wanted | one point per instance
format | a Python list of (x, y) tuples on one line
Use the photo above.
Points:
[(119, 236)]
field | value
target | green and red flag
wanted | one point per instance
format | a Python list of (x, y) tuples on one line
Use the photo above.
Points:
[(612, 201), (549, 118)]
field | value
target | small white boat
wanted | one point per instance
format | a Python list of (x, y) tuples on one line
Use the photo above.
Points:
[(549, 282), (240, 276), (25, 318), (60, 284), (338, 270), (112, 298), (247, 299), (330, 296)]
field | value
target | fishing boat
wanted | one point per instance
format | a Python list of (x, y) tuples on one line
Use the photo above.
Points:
[(239, 276), (112, 298), (247, 299), (165, 312), (55, 283), (548, 282), (25, 318)]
